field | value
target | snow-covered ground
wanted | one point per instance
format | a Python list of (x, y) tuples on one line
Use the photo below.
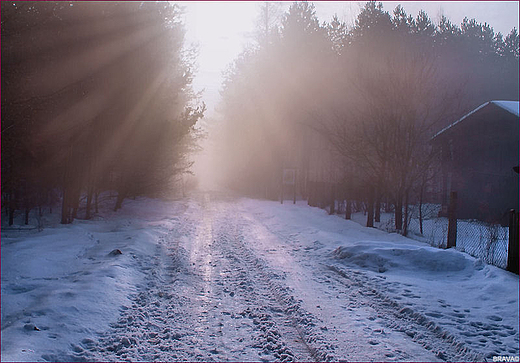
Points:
[(219, 278)]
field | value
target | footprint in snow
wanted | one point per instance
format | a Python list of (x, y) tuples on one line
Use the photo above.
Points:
[(494, 318)]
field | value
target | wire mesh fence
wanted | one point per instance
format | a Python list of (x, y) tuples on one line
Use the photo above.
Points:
[(425, 224), (486, 241), (483, 240)]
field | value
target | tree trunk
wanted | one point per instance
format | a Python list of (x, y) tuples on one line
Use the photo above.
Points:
[(66, 202), (348, 209), (11, 207), (75, 205), (332, 209), (377, 216), (420, 210), (65, 207), (281, 189), (452, 221), (89, 204), (294, 192), (406, 217), (90, 189), (96, 209), (11, 216), (399, 215), (318, 195), (119, 201), (41, 201), (370, 208)]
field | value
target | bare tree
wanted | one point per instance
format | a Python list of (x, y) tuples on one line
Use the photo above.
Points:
[(396, 104)]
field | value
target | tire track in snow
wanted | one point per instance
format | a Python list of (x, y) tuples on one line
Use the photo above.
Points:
[(202, 299), (274, 334), (364, 294), (300, 325)]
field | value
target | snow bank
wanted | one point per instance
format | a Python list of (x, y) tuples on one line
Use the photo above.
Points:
[(62, 286), (380, 257)]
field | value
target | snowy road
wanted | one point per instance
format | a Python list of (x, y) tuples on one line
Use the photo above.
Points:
[(249, 295), (241, 280)]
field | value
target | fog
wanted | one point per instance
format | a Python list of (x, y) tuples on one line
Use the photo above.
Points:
[(96, 98), (351, 108), (99, 98), (303, 81)]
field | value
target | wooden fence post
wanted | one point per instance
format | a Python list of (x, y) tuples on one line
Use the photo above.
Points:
[(512, 254), (452, 223)]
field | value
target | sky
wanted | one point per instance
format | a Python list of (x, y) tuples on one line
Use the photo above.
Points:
[(221, 30)]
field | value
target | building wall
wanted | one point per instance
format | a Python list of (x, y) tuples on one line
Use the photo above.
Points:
[(479, 156)]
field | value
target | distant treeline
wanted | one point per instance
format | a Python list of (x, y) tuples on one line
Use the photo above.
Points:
[(355, 106), (96, 96)]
